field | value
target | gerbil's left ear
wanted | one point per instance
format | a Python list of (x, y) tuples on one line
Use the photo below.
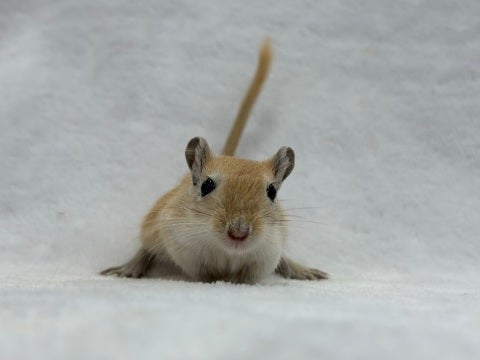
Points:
[(197, 155), (282, 164)]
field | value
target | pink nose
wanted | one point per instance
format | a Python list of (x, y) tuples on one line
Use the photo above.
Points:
[(237, 235)]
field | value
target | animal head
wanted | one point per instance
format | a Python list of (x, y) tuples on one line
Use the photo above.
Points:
[(237, 198)]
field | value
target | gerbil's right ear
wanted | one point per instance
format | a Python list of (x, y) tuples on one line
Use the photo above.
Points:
[(282, 164), (197, 154)]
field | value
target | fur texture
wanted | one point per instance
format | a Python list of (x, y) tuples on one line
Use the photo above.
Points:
[(192, 230)]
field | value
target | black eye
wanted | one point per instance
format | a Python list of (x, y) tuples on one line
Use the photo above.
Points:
[(271, 192), (207, 187)]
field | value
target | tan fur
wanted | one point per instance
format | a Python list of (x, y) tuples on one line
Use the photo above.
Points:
[(192, 229), (211, 216)]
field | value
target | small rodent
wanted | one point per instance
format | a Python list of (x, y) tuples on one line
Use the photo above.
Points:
[(223, 221)]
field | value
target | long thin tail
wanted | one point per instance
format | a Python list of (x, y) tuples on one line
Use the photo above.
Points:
[(264, 60)]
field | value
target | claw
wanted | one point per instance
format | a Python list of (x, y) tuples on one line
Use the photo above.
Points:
[(136, 268)]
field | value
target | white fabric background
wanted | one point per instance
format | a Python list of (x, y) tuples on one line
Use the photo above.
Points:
[(380, 101)]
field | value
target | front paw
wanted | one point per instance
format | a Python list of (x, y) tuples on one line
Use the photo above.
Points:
[(308, 274), (123, 271)]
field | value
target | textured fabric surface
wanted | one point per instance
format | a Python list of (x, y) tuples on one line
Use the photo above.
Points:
[(379, 100)]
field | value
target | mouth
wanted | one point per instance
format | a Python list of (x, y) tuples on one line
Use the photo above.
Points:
[(238, 235), (237, 243), (232, 244), (238, 239)]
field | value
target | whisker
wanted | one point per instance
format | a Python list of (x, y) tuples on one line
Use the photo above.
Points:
[(304, 208)]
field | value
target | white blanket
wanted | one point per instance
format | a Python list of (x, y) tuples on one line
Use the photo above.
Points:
[(379, 100)]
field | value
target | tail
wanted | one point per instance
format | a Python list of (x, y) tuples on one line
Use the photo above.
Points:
[(264, 60)]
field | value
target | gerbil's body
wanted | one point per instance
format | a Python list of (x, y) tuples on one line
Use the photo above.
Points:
[(222, 222), (194, 229)]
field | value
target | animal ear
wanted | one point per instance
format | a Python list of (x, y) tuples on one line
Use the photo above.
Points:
[(197, 155), (282, 164)]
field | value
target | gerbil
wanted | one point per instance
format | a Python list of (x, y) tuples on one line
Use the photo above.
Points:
[(223, 221)]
